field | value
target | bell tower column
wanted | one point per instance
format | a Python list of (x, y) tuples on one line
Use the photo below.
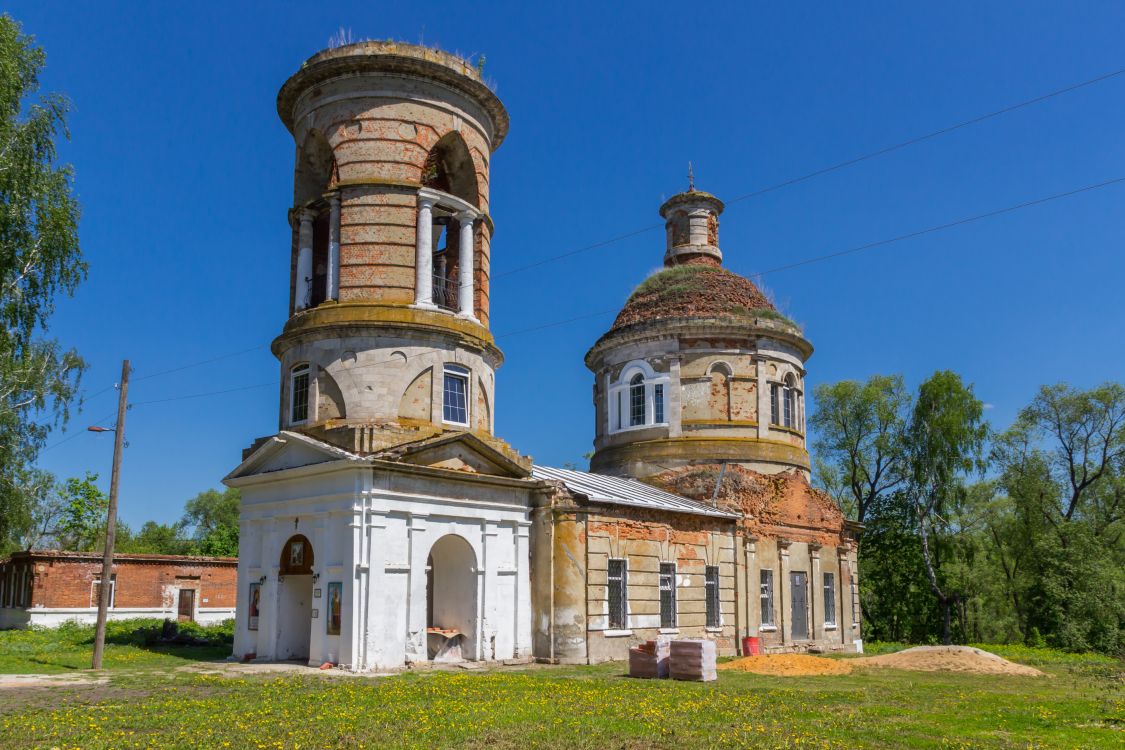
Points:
[(304, 260), (424, 255), (333, 280), (465, 263)]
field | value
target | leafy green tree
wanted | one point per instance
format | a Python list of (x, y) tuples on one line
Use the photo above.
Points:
[(156, 539), (1062, 465), (859, 446), (67, 515), (213, 517), (945, 442), (39, 259)]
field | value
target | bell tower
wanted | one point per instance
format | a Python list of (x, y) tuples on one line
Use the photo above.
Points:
[(387, 338)]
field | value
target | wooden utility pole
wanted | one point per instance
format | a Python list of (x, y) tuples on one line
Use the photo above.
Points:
[(111, 519)]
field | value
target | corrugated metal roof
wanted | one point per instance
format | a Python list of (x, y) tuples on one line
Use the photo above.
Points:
[(617, 491)]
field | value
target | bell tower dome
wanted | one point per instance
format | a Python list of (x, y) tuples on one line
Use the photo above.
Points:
[(388, 327)]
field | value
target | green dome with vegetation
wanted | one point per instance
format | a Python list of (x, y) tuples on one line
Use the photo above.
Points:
[(697, 290)]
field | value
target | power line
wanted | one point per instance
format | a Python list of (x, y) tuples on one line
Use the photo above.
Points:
[(201, 362), (202, 395), (806, 262), (941, 227), (834, 167)]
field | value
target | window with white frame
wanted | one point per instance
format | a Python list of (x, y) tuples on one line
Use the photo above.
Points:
[(638, 398), (766, 577), (667, 595), (617, 592), (785, 401), (96, 588), (299, 394), (830, 599), (711, 584), (455, 395)]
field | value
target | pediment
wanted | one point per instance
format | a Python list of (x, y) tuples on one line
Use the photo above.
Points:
[(461, 451), (289, 450)]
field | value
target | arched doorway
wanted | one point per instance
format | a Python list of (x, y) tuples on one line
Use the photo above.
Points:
[(451, 600), (294, 597)]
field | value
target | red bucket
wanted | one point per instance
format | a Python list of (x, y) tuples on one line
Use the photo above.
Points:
[(751, 646)]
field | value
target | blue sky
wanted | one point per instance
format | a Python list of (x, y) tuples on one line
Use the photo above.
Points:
[(185, 173)]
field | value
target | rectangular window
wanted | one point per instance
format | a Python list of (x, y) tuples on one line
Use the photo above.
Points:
[(96, 592), (767, 598), (855, 603), (711, 581), (658, 403), (829, 599), (787, 394), (775, 410), (618, 594), (455, 404), (299, 390), (636, 404), (667, 595)]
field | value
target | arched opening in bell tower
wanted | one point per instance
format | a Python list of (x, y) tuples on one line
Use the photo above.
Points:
[(316, 173), (449, 168)]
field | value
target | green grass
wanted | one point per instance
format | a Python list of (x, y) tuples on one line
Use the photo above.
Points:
[(130, 644), (1079, 706)]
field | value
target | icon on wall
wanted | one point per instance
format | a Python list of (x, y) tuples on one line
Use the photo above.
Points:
[(255, 601), (335, 598)]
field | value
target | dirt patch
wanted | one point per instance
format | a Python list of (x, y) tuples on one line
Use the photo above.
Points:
[(948, 659), (788, 665)]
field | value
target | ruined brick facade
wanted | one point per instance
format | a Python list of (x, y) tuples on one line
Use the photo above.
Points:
[(48, 587), (699, 390)]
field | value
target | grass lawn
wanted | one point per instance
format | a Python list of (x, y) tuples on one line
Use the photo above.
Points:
[(129, 645), (147, 705)]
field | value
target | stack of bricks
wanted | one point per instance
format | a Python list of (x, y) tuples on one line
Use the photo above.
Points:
[(693, 660), (649, 660)]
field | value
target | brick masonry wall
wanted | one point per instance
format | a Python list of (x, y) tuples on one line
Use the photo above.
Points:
[(646, 539), (68, 582)]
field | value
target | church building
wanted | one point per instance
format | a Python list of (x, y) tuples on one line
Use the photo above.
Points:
[(385, 524)]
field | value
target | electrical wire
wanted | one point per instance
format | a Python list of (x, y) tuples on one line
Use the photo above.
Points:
[(834, 167)]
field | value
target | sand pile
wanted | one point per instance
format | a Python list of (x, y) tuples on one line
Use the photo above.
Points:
[(789, 665), (948, 659)]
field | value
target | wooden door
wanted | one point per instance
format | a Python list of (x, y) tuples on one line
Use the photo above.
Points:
[(187, 604), (799, 585)]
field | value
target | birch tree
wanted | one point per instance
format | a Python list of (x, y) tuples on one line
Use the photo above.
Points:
[(39, 260)]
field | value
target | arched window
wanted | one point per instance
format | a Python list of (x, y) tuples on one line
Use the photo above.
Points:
[(638, 398), (299, 394), (785, 403), (788, 407)]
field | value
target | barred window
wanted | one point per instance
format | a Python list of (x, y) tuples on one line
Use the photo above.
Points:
[(775, 405), (618, 594), (658, 402), (299, 394), (829, 599), (767, 597), (455, 401), (855, 603), (667, 595), (711, 582)]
